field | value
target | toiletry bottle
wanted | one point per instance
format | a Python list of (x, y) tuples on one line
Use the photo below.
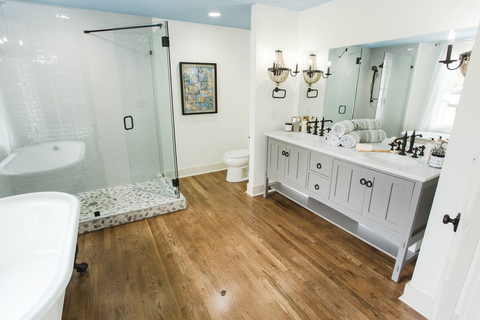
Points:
[(304, 126), (429, 147)]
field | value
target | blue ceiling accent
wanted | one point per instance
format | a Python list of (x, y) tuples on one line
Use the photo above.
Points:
[(436, 37), (235, 13)]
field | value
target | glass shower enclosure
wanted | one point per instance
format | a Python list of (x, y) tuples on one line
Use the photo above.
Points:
[(146, 100), (89, 114)]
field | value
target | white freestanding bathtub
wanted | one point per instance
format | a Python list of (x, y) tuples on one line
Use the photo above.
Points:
[(44, 167), (38, 235)]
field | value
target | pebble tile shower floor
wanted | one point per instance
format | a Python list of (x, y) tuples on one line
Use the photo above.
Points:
[(127, 203)]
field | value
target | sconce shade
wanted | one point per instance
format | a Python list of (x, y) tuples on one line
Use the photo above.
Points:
[(280, 72), (312, 75), (465, 58)]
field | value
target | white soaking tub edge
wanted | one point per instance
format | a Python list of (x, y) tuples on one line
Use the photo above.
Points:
[(38, 236)]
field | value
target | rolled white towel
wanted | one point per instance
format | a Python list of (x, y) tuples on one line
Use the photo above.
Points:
[(372, 136), (343, 127), (351, 139), (367, 124), (332, 139)]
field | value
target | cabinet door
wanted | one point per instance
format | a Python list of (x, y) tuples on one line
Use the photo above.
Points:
[(276, 161), (346, 188), (387, 200), (297, 165)]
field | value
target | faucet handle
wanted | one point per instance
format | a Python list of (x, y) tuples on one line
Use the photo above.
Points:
[(392, 145), (399, 145), (415, 151), (422, 149)]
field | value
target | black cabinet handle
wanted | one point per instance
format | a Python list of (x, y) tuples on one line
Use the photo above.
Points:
[(317, 187), (319, 166), (369, 184), (283, 153), (125, 122), (363, 181), (286, 154), (447, 220)]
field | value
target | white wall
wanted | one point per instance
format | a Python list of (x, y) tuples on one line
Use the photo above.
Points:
[(272, 29), (350, 22), (203, 139)]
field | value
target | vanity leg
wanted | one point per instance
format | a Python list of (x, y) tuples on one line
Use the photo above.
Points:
[(265, 188), (400, 262)]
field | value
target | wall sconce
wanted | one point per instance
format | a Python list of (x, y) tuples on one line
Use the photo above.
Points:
[(279, 73), (463, 57), (328, 74), (312, 75)]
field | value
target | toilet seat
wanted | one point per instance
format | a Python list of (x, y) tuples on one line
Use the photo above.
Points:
[(235, 154)]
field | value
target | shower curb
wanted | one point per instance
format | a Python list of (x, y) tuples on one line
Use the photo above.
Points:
[(113, 220)]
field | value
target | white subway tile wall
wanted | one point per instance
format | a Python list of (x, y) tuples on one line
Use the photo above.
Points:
[(60, 84)]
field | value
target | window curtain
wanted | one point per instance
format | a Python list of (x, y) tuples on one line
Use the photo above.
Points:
[(441, 86)]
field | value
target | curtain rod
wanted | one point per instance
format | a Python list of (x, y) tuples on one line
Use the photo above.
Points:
[(124, 28)]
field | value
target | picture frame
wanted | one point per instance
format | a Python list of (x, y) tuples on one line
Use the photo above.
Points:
[(198, 82)]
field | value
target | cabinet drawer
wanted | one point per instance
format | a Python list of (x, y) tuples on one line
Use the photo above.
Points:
[(321, 163), (318, 184)]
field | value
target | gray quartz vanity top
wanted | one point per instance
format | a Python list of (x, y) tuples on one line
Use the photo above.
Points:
[(421, 172)]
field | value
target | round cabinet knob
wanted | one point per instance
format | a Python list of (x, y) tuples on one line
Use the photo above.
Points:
[(363, 181), (369, 184), (319, 166), (283, 153), (286, 154), (317, 187)]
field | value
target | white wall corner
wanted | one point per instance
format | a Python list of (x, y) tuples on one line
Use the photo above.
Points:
[(417, 300)]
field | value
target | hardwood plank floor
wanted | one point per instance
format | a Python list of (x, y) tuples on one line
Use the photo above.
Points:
[(275, 260)]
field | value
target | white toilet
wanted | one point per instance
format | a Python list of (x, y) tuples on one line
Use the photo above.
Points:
[(237, 162)]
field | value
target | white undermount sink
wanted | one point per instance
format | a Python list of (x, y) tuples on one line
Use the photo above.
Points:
[(393, 159), (302, 136)]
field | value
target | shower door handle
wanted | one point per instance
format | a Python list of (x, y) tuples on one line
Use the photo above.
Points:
[(125, 122)]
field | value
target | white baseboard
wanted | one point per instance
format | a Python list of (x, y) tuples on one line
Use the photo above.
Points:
[(417, 300), (193, 171), (257, 190)]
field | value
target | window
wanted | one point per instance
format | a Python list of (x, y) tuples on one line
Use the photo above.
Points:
[(444, 92)]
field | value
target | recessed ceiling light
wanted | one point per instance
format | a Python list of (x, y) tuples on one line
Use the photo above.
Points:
[(214, 14)]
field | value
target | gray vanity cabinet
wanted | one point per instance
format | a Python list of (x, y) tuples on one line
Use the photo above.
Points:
[(376, 196), (383, 209), (288, 161)]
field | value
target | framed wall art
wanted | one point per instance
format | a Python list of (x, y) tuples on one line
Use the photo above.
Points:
[(199, 87)]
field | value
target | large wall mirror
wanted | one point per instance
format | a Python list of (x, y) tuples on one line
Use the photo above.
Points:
[(399, 82)]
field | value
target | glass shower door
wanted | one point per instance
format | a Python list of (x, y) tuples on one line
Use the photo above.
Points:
[(341, 86), (162, 89), (145, 95)]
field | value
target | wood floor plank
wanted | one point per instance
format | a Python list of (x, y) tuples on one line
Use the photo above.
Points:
[(274, 259)]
